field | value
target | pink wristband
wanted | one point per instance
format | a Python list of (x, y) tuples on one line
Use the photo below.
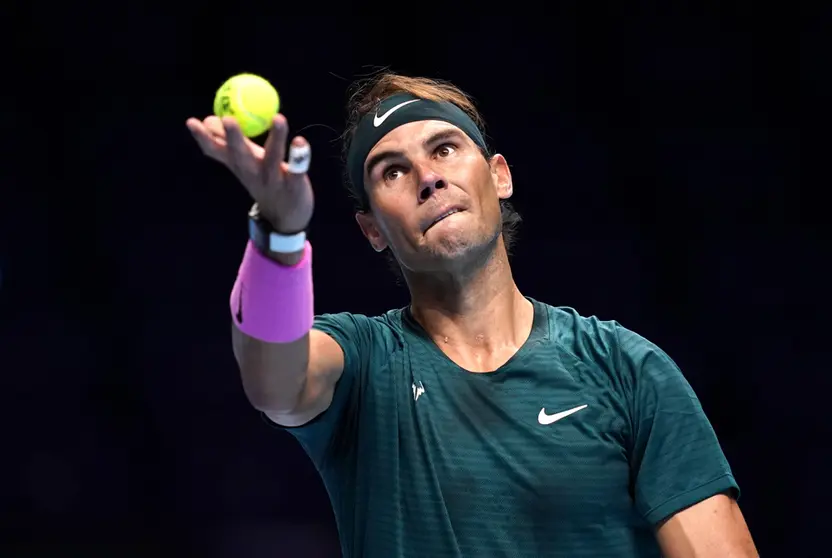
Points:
[(273, 302)]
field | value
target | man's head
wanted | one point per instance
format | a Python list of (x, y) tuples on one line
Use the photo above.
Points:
[(415, 150)]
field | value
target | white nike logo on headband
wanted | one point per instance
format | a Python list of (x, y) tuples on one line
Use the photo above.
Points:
[(379, 120)]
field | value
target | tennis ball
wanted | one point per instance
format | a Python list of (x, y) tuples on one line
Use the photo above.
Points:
[(251, 100)]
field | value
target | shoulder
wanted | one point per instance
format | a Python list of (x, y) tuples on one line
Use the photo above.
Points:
[(591, 336), (628, 357), (361, 333), (585, 337), (605, 345)]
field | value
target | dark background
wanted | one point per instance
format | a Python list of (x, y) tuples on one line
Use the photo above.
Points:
[(655, 161)]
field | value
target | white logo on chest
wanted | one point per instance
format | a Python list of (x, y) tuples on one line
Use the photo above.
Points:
[(417, 390), (543, 418)]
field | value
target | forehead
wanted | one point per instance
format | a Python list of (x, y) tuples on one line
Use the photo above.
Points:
[(412, 135)]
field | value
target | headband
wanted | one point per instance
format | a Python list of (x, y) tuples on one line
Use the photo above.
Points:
[(392, 112)]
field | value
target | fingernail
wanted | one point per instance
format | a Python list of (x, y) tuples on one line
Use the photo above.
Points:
[(299, 158)]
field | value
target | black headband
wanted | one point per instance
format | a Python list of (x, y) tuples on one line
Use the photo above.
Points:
[(391, 113)]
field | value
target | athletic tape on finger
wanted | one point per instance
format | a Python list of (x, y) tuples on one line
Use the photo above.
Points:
[(299, 158)]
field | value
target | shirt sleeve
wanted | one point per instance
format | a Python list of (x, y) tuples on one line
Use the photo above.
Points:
[(332, 432), (675, 457)]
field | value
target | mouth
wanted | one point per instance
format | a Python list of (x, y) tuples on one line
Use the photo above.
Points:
[(443, 216)]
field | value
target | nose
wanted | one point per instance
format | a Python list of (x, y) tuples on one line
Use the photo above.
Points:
[(429, 184)]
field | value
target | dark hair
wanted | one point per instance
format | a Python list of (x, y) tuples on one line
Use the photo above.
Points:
[(365, 95)]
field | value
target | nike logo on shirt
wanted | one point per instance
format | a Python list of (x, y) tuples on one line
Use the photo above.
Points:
[(379, 120), (543, 418)]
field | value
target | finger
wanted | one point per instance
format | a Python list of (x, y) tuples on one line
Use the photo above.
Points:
[(300, 155), (239, 152), (275, 149), (217, 127), (214, 125), (207, 142)]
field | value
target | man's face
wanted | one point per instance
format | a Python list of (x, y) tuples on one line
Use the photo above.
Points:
[(434, 198)]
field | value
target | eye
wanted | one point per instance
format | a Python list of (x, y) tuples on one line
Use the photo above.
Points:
[(445, 149), (392, 173)]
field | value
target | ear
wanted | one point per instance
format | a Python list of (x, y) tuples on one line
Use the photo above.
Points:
[(501, 176), (368, 226)]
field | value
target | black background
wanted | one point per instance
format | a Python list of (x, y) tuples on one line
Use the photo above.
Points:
[(655, 161)]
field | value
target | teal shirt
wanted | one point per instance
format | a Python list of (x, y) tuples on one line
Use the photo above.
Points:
[(424, 459)]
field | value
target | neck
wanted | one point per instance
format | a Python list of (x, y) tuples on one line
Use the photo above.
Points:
[(477, 306)]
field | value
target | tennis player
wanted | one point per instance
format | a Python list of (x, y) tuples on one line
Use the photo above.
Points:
[(476, 421)]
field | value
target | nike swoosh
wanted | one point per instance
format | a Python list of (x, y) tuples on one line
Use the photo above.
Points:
[(240, 307), (543, 418), (379, 120)]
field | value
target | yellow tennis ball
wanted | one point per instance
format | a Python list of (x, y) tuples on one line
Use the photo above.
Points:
[(251, 100)]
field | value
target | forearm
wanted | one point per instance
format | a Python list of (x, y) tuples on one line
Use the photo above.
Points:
[(271, 308), (273, 374)]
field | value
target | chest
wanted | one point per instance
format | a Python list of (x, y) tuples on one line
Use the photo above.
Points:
[(538, 437)]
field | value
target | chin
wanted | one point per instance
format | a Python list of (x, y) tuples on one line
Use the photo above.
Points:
[(459, 244)]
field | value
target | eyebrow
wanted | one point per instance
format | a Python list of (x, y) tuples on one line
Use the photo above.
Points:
[(378, 158)]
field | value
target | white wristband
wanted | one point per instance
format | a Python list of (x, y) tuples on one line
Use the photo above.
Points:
[(286, 244)]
